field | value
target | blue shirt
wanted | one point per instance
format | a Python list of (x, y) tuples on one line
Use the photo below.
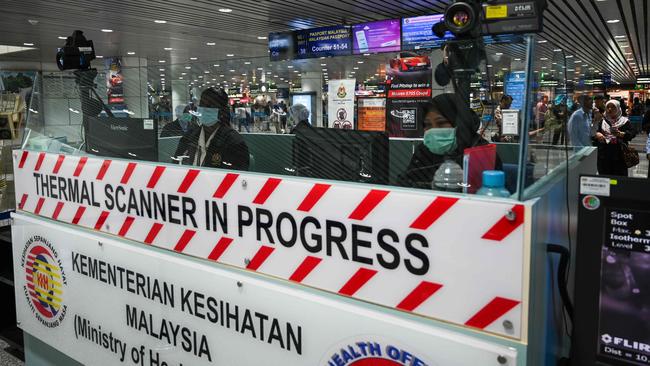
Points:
[(647, 145), (580, 128)]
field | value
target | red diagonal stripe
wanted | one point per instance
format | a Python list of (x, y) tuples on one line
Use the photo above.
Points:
[(266, 191), (78, 215), (305, 268), (260, 257), (184, 240), (80, 166), (315, 194), (372, 199), (220, 248), (188, 180), (126, 226), (505, 227), (103, 169), (23, 159), (153, 233), (101, 220), (357, 281), (127, 173), (436, 209), (57, 211), (419, 295), (155, 176), (498, 307), (59, 162), (39, 206), (23, 200), (225, 185), (39, 162)]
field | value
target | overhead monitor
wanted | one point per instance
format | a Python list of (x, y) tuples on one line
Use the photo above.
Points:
[(375, 37), (323, 42), (417, 32), (281, 46)]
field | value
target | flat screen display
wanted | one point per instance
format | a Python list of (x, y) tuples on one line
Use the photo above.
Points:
[(417, 32), (281, 46), (326, 41), (304, 99), (375, 37)]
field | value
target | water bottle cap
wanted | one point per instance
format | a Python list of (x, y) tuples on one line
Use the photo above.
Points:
[(494, 178)]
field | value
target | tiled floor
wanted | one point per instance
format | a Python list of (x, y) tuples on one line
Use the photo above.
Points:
[(6, 358)]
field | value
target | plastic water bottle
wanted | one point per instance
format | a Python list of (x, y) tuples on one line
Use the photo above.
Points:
[(494, 184), (448, 177)]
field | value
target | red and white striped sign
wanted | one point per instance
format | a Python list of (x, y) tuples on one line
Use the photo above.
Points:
[(457, 260)]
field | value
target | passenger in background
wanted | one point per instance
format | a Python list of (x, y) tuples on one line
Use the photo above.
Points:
[(556, 119), (540, 112), (637, 107), (505, 103), (613, 133), (299, 115), (215, 144), (580, 123), (647, 154), (599, 103), (183, 123), (449, 128), (646, 118)]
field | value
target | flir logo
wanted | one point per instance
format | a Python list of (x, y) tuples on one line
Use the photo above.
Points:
[(625, 343)]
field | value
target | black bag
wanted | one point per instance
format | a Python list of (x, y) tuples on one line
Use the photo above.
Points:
[(630, 155)]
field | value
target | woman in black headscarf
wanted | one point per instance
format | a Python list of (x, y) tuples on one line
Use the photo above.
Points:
[(449, 128)]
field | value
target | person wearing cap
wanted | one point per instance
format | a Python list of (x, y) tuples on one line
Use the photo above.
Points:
[(215, 144), (183, 123), (299, 115)]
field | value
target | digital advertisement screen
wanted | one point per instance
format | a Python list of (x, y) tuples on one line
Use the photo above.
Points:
[(374, 37), (281, 46), (326, 41), (304, 99), (417, 32)]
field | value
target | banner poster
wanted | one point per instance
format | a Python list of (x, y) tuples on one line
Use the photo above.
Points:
[(408, 90), (114, 80), (340, 106), (371, 114)]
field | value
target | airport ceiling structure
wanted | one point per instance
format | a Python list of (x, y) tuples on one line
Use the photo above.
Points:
[(227, 40)]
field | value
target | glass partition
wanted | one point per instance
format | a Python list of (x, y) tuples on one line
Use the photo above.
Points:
[(423, 119)]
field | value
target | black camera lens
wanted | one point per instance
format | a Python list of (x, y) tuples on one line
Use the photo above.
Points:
[(461, 18)]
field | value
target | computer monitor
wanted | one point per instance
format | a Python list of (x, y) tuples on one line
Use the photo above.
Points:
[(612, 279), (329, 153), (127, 138)]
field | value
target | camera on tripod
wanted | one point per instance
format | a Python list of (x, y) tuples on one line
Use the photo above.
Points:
[(76, 54)]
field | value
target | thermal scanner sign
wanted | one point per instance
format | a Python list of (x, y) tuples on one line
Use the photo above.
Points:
[(397, 248)]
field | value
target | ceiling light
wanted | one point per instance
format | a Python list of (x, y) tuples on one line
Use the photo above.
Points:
[(167, 48), (107, 30), (542, 41), (221, 76), (99, 56), (619, 37), (130, 53), (183, 73), (613, 21), (206, 72), (356, 68), (230, 55), (225, 10), (188, 67), (162, 61), (210, 43), (366, 54), (261, 37), (359, 62), (62, 37), (194, 58), (231, 70), (163, 75), (290, 67), (161, 69), (260, 68), (247, 63), (498, 54), (569, 56), (28, 44), (158, 21), (543, 59)]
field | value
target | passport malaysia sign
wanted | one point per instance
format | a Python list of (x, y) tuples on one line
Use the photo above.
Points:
[(454, 259)]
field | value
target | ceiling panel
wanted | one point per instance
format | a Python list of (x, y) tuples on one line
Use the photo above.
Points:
[(604, 35)]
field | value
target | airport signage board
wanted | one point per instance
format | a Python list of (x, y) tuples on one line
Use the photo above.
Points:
[(333, 236), (106, 302)]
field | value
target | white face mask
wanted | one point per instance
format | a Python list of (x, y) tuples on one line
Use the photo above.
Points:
[(207, 116)]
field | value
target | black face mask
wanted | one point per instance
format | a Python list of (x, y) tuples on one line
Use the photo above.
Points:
[(442, 75)]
